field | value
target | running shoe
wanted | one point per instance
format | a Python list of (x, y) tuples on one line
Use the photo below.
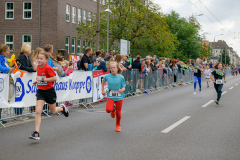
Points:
[(207, 86), (118, 128), (200, 91), (65, 110), (68, 104), (35, 135), (217, 102), (194, 92), (113, 114)]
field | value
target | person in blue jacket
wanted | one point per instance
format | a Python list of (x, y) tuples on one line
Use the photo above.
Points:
[(4, 67), (102, 65)]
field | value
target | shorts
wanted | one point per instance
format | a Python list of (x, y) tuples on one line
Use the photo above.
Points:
[(49, 96), (207, 77)]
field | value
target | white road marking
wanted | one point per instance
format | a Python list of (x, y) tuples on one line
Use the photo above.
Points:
[(205, 105), (175, 124), (236, 84), (224, 92), (231, 88)]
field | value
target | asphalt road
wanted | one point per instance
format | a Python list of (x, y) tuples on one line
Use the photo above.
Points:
[(172, 124)]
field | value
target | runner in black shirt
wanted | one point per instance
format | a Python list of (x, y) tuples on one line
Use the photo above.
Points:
[(218, 75)]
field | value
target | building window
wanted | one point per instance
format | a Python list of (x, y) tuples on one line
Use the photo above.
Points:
[(67, 44), (73, 45), (79, 16), (90, 17), (89, 44), (74, 15), (9, 41), (68, 13), (9, 10), (84, 46), (103, 2), (78, 46), (84, 16), (27, 10), (27, 39)]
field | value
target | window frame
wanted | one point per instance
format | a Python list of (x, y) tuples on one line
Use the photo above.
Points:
[(74, 11), (27, 10), (79, 16), (78, 46), (30, 43), (7, 10), (68, 8), (84, 16), (67, 45), (73, 46), (9, 42)]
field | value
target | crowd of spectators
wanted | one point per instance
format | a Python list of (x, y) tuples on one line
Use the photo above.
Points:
[(100, 61)]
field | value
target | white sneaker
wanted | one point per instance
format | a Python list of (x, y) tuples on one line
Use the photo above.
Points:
[(194, 92)]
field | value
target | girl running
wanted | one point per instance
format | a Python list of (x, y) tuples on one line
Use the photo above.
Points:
[(198, 69), (218, 80), (207, 74), (45, 93), (116, 86)]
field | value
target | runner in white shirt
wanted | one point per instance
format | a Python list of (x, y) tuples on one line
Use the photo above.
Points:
[(207, 73)]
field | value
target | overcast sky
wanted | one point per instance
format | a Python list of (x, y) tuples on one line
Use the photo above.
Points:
[(226, 11)]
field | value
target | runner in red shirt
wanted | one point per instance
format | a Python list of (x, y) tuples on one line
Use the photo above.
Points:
[(45, 93)]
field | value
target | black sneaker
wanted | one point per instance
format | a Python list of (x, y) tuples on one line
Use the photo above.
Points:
[(65, 110), (217, 102), (35, 135)]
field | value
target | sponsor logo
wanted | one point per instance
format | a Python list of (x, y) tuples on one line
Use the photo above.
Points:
[(88, 84), (19, 90)]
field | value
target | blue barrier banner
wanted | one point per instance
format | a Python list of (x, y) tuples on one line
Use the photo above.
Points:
[(77, 85)]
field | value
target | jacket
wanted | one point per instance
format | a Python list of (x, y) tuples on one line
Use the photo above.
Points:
[(137, 65), (4, 67), (25, 63), (102, 65)]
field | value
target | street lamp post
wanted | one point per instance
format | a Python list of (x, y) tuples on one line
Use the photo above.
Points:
[(108, 11), (214, 43)]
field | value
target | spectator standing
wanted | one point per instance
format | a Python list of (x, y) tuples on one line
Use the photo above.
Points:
[(4, 67), (156, 60), (102, 65), (98, 54), (24, 59), (86, 63), (35, 57), (137, 64), (79, 61)]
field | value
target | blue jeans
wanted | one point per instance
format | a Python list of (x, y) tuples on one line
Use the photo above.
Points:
[(199, 82), (18, 110)]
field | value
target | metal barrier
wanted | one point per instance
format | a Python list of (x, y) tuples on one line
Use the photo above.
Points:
[(137, 83)]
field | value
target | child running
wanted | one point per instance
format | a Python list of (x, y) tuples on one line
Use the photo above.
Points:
[(198, 69), (217, 80), (207, 74), (45, 93), (116, 86)]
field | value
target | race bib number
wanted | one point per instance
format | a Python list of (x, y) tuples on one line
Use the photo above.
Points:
[(219, 81), (114, 94), (195, 70), (42, 83)]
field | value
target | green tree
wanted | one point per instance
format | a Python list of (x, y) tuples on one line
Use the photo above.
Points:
[(186, 30), (222, 57), (206, 51)]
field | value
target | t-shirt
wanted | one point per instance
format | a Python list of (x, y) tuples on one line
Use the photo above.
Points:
[(208, 73), (50, 63), (85, 59), (197, 71), (115, 82), (218, 74), (45, 72)]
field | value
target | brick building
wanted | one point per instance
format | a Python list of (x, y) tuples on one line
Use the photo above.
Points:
[(41, 22)]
